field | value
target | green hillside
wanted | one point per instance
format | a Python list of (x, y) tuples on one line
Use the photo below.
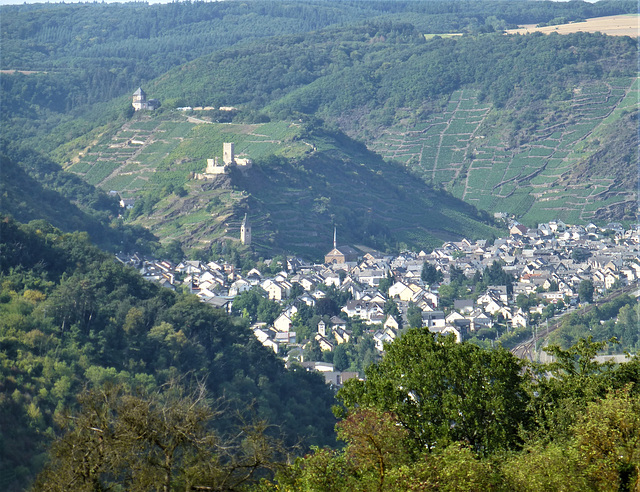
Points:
[(472, 150), (537, 126), (304, 181), (494, 119), (33, 187), (72, 318)]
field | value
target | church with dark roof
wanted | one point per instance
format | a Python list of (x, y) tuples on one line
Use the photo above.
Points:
[(342, 254)]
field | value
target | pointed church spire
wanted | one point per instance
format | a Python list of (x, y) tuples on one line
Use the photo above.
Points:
[(334, 238)]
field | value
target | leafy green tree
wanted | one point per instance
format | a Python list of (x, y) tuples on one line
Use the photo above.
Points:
[(255, 305), (608, 441), (585, 291), (549, 311), (313, 351), (414, 316), (456, 275), (296, 290), (442, 391), (545, 466), (453, 469), (526, 302), (172, 251), (580, 254), (495, 275), (448, 293), (430, 274), (377, 457), (391, 308), (357, 326), (153, 441), (375, 444), (563, 387), (340, 358), (600, 451), (385, 284), (303, 329), (327, 306), (323, 470)]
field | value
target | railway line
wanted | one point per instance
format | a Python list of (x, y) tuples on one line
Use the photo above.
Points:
[(528, 349)]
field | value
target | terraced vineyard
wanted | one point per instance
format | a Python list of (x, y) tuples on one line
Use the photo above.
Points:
[(152, 152), (469, 149), (128, 162), (300, 187)]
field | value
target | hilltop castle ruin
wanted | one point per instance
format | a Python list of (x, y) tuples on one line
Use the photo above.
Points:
[(229, 160)]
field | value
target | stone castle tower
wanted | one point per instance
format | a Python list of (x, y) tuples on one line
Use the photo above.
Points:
[(228, 156), (245, 231)]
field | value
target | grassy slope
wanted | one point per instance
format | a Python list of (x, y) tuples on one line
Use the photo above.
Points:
[(304, 181), (368, 200)]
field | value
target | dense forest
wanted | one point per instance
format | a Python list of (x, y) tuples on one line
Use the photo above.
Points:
[(392, 65), (73, 319), (72, 59)]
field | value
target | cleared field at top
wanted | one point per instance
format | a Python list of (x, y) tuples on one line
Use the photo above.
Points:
[(614, 25)]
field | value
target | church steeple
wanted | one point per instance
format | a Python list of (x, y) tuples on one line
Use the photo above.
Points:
[(334, 238)]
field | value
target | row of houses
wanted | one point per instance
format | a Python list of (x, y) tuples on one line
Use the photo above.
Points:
[(551, 261)]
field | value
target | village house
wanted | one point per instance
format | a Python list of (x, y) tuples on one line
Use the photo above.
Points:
[(325, 343), (283, 323), (433, 319), (370, 312)]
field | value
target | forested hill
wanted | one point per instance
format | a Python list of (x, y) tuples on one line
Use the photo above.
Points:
[(385, 65), (504, 122), (71, 55), (106, 49), (499, 121), (72, 317), (34, 187)]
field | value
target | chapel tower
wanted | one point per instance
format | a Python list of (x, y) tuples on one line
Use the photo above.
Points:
[(139, 99), (245, 231)]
